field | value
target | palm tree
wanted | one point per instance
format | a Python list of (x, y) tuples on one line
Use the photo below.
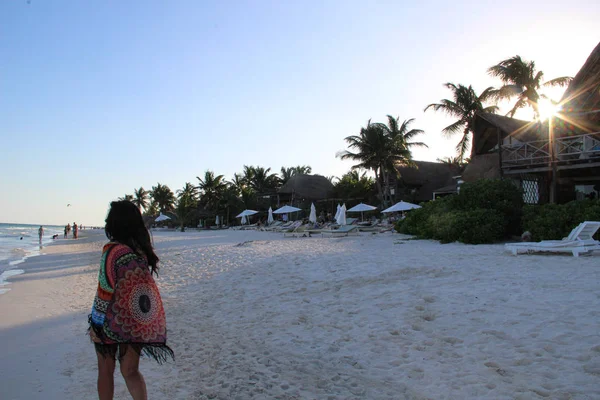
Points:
[(141, 198), (238, 182), (127, 197), (302, 170), (189, 192), (184, 211), (212, 188), (371, 147), (353, 185), (522, 80), (465, 104), (453, 161), (286, 174), (399, 147), (261, 179), (163, 196), (152, 209)]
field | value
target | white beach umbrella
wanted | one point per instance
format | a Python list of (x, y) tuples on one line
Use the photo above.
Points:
[(286, 210), (342, 216), (361, 208), (246, 213), (270, 218), (313, 213), (337, 212), (161, 217), (401, 206)]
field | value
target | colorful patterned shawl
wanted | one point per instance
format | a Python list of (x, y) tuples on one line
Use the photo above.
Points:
[(127, 308)]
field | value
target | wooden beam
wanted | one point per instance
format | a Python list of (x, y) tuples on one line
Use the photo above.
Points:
[(579, 166), (525, 170)]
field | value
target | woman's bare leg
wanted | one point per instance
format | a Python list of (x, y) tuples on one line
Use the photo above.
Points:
[(136, 385), (106, 382)]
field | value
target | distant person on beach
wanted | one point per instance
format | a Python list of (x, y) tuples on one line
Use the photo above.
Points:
[(75, 230), (127, 314), (66, 232), (41, 233), (68, 229)]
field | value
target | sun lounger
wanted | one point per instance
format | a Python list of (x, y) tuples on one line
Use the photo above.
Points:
[(301, 231), (294, 225), (344, 230), (272, 227), (579, 241)]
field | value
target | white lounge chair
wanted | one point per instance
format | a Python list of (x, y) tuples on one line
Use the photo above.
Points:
[(344, 230), (579, 241)]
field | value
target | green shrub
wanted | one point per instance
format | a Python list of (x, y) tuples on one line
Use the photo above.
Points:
[(555, 221), (484, 211), (500, 195), (476, 226)]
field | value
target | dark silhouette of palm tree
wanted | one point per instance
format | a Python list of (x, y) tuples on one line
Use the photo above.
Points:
[(141, 198), (465, 104), (211, 188), (521, 79), (163, 196)]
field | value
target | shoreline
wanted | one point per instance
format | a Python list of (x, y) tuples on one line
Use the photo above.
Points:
[(251, 314)]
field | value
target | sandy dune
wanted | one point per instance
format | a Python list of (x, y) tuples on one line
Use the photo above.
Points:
[(253, 315)]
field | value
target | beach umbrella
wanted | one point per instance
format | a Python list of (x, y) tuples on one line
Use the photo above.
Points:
[(270, 218), (161, 217), (337, 212), (361, 208), (286, 210), (342, 216), (313, 213), (401, 206), (246, 213)]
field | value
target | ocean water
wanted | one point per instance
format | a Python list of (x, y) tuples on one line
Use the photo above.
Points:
[(19, 242)]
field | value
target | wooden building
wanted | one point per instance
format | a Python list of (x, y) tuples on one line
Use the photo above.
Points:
[(554, 161)]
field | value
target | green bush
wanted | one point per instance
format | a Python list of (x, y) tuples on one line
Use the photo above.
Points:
[(483, 212), (502, 196), (555, 221)]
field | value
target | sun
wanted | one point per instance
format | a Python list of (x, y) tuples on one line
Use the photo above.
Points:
[(547, 109)]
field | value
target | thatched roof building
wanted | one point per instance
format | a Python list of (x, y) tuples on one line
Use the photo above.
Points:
[(309, 187), (581, 100), (418, 184), (483, 166)]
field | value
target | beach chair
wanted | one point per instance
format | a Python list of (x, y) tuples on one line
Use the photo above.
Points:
[(344, 230), (301, 231), (272, 227), (579, 241), (289, 228)]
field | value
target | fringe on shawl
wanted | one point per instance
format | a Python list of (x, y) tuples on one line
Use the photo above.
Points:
[(160, 352)]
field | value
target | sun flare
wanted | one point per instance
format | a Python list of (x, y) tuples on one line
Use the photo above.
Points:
[(547, 109)]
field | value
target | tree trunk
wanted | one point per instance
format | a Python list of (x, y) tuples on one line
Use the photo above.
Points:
[(379, 189)]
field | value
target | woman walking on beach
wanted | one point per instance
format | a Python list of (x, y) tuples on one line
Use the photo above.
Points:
[(127, 315)]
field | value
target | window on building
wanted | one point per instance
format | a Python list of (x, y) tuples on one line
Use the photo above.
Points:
[(583, 192)]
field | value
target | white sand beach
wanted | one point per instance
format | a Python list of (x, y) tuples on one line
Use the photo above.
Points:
[(253, 315)]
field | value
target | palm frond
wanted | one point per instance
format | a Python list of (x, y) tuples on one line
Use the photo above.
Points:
[(562, 81)]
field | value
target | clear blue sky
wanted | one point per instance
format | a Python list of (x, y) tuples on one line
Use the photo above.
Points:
[(98, 97)]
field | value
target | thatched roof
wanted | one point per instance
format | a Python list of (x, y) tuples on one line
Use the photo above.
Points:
[(483, 166), (581, 100), (312, 187), (487, 125), (427, 177)]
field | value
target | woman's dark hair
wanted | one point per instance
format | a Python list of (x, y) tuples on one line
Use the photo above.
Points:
[(124, 224)]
